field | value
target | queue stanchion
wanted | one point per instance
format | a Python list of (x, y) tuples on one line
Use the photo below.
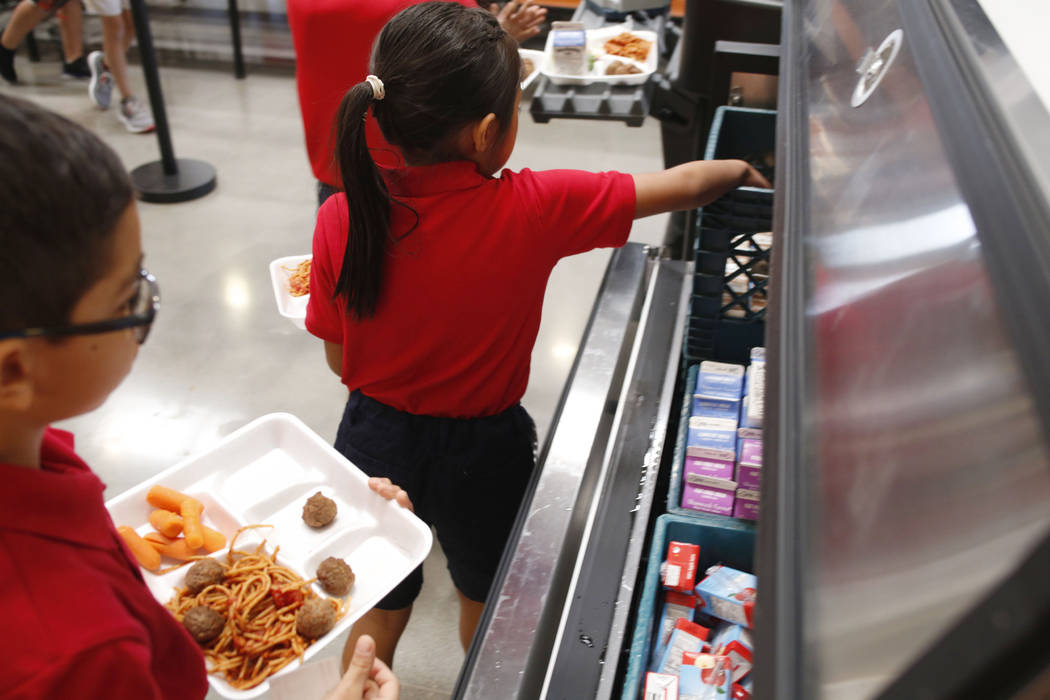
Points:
[(169, 179), (235, 34)]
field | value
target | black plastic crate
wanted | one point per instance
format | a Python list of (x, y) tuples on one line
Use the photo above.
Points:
[(728, 307)]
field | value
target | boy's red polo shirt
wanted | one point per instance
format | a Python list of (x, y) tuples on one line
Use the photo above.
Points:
[(79, 621), (333, 44), (462, 295)]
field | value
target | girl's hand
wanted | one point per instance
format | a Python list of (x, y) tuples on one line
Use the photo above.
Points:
[(367, 678), (390, 491), (520, 18)]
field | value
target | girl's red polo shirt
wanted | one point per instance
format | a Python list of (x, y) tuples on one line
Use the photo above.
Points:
[(333, 44), (462, 296), (79, 620)]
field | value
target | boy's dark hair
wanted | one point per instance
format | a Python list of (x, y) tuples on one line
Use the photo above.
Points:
[(443, 66), (62, 193)]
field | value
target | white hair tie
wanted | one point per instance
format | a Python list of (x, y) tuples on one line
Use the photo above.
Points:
[(378, 91)]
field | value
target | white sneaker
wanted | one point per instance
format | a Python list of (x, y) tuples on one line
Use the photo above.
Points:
[(100, 89), (135, 115)]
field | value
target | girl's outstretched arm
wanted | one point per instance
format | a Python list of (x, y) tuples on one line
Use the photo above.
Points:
[(691, 185)]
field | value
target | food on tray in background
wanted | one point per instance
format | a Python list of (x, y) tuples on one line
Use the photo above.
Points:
[(206, 572), (145, 554), (203, 623), (260, 602), (319, 510), (299, 281), (314, 619), (629, 46), (569, 48), (622, 68), (527, 66), (335, 576)]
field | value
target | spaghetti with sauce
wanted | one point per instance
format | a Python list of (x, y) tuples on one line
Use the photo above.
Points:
[(299, 281), (259, 599)]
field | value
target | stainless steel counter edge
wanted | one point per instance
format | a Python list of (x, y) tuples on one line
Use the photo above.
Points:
[(510, 658)]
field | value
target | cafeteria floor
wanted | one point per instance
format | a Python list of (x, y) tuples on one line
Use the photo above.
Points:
[(220, 355)]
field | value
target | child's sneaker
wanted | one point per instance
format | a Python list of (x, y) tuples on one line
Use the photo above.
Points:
[(7, 65), (101, 86), (135, 115), (77, 69)]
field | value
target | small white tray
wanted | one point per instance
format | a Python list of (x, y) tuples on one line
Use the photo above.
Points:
[(596, 39), (537, 58), (262, 474), (293, 308)]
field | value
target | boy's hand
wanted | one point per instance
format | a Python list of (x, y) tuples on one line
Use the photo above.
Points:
[(520, 18), (367, 678), (390, 491)]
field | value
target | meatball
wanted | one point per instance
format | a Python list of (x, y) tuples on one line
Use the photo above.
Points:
[(318, 510), (336, 576), (203, 574), (315, 618), (203, 623)]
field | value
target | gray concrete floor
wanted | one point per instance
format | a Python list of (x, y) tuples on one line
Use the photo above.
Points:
[(220, 355)]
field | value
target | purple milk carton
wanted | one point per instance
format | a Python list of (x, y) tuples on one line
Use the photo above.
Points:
[(707, 499), (715, 468), (745, 508), (749, 466)]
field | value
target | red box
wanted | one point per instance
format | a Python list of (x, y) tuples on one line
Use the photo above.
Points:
[(680, 574)]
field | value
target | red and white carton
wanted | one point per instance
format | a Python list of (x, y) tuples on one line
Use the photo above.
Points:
[(680, 574), (660, 686)]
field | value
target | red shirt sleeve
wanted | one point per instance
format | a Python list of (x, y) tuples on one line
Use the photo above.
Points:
[(116, 671), (323, 316), (577, 211)]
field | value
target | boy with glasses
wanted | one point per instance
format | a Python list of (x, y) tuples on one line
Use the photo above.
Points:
[(75, 304)]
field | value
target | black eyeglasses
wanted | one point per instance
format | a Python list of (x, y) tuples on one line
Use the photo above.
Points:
[(142, 309)]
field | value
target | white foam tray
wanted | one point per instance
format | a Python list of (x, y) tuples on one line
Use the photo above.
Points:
[(263, 473), (596, 39), (292, 308), (537, 58)]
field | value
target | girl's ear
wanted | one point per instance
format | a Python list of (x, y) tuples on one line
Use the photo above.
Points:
[(16, 385), (485, 134)]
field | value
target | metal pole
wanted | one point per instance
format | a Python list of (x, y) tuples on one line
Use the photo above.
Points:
[(235, 32), (156, 99)]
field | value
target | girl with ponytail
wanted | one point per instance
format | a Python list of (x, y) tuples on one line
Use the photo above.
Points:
[(428, 280)]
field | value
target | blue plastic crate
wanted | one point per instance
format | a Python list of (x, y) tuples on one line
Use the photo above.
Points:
[(674, 488), (731, 543)]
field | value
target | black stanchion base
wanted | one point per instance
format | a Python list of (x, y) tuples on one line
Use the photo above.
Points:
[(194, 179)]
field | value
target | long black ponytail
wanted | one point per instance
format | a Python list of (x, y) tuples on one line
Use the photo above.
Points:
[(442, 66)]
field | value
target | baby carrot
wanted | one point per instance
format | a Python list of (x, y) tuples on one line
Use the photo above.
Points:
[(158, 541), (168, 499), (176, 549), (191, 522), (166, 522), (146, 555), (213, 540)]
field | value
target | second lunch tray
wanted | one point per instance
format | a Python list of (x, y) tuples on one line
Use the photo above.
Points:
[(626, 103)]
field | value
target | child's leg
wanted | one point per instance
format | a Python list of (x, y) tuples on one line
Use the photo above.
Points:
[(129, 29), (70, 27), (113, 48), (385, 626), (26, 16), (469, 616)]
